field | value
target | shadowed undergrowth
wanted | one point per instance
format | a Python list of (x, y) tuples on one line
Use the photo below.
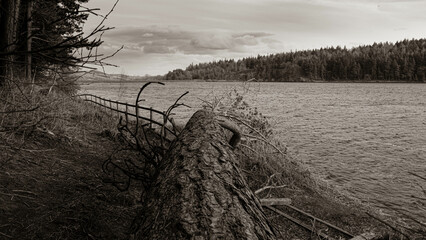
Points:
[(51, 152)]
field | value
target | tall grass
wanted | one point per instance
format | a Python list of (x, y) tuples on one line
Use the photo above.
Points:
[(262, 156), (25, 114), (51, 150)]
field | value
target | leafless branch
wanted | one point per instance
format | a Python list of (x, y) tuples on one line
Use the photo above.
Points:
[(21, 110)]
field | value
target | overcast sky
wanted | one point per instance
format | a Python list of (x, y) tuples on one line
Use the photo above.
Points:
[(162, 35)]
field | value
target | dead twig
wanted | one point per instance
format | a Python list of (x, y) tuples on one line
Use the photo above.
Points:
[(16, 195), (21, 110), (166, 118), (321, 221), (261, 138), (5, 235), (298, 222), (267, 142), (249, 148), (268, 187), (140, 158), (24, 191)]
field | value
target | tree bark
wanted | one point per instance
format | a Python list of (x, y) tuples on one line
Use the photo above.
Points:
[(29, 39), (9, 19), (200, 193)]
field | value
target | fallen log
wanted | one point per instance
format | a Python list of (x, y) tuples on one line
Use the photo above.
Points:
[(200, 192)]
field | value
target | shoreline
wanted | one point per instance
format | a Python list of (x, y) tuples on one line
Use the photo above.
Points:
[(83, 146), (86, 82)]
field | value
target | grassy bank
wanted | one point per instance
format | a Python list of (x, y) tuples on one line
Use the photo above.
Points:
[(52, 186), (51, 152)]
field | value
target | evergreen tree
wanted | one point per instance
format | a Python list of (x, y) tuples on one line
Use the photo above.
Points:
[(402, 61)]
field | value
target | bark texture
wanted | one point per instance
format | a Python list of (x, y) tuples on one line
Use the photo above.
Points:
[(9, 18), (201, 193)]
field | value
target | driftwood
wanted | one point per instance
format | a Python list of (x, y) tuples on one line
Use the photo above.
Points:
[(298, 222), (231, 126), (200, 193)]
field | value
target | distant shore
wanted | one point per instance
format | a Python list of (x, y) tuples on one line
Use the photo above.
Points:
[(82, 82)]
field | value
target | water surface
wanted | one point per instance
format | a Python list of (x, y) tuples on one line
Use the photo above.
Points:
[(363, 138)]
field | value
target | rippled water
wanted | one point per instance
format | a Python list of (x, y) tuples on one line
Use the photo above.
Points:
[(362, 138)]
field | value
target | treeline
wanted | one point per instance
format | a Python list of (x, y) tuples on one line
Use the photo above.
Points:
[(402, 61)]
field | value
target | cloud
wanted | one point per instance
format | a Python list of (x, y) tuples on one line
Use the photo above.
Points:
[(173, 39), (158, 49), (211, 42), (214, 29)]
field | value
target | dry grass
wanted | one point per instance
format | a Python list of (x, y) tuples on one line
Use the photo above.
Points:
[(50, 171), (24, 114)]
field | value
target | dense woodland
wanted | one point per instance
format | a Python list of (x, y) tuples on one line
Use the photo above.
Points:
[(42, 42), (403, 61)]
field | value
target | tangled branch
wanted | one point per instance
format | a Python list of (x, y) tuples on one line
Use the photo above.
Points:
[(140, 157)]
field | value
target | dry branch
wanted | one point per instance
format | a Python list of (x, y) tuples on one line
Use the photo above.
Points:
[(296, 221), (275, 201), (261, 138), (236, 137), (268, 187)]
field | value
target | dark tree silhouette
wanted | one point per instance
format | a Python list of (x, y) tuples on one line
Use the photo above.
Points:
[(47, 37)]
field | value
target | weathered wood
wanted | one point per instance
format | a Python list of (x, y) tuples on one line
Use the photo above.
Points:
[(231, 126), (126, 114), (320, 220), (150, 117), (200, 192), (268, 187), (298, 222), (116, 107), (275, 201)]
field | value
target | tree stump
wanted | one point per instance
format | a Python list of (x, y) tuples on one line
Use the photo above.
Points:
[(200, 193)]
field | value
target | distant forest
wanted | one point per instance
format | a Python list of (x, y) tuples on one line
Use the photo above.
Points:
[(404, 61)]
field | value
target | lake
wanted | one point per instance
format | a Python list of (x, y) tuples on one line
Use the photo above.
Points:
[(364, 139)]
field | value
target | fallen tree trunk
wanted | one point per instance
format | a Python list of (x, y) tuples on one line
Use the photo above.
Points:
[(200, 193)]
